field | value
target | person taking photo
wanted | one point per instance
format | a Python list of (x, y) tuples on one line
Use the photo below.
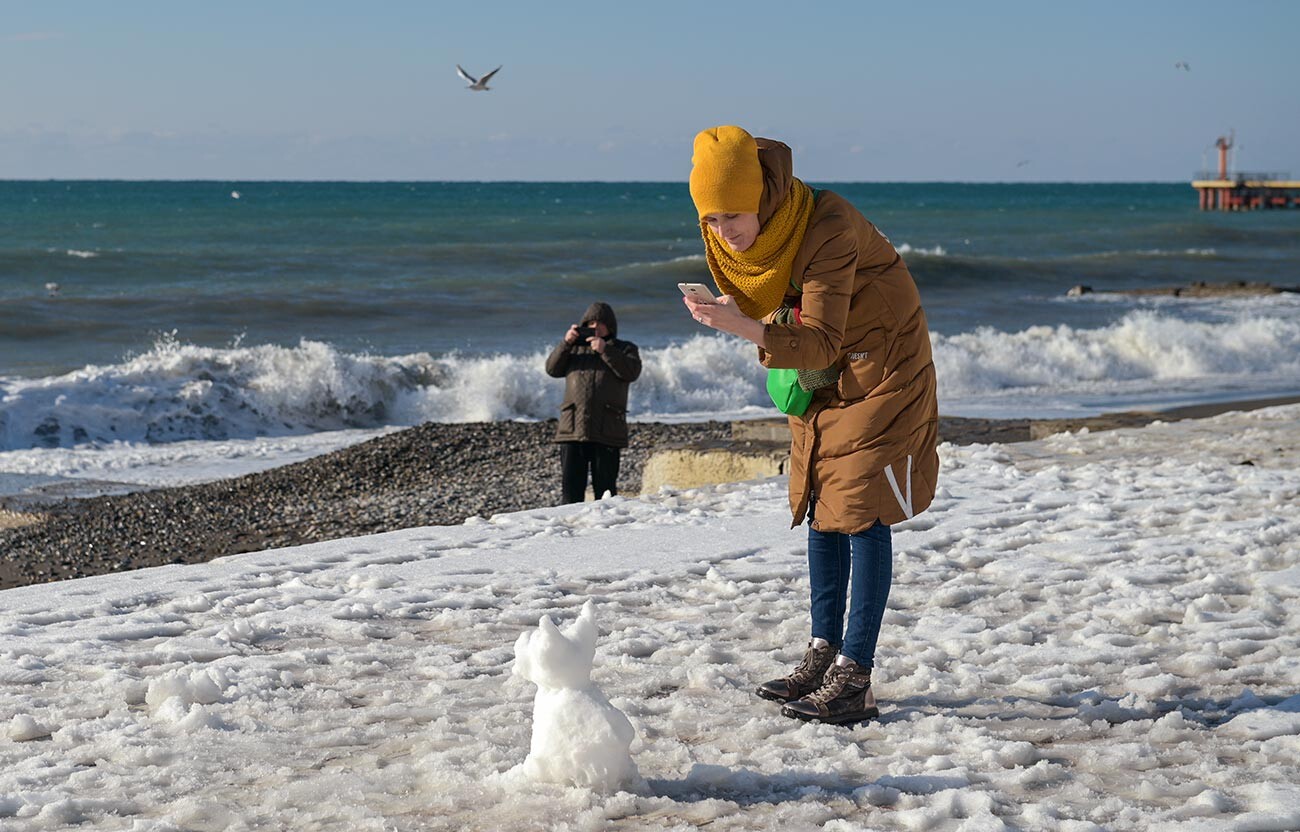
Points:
[(838, 323), (597, 368)]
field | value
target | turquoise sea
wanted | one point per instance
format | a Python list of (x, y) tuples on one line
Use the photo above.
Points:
[(158, 311)]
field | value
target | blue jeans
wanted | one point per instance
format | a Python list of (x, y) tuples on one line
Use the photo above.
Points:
[(857, 566)]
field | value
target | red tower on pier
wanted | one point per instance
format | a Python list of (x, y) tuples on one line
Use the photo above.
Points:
[(1224, 146), (1244, 191)]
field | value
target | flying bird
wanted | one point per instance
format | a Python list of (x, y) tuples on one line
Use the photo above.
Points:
[(1183, 65), (1023, 162), (476, 84)]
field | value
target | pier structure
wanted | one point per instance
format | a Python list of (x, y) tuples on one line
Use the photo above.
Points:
[(1244, 191)]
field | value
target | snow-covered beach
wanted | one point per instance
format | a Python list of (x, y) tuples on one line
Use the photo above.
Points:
[(1093, 631)]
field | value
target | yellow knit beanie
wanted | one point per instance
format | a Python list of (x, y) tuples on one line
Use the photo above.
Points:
[(726, 177)]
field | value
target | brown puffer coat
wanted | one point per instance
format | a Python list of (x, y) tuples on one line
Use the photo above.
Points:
[(865, 448), (595, 384)]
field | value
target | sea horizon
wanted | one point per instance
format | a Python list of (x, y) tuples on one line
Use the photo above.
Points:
[(682, 181)]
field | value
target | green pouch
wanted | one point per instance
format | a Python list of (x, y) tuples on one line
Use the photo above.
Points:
[(787, 395)]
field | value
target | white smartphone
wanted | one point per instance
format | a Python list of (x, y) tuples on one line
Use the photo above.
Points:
[(697, 291)]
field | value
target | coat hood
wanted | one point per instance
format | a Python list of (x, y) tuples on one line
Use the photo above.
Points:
[(600, 311), (778, 172)]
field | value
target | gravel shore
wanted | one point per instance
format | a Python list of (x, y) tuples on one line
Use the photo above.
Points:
[(434, 474)]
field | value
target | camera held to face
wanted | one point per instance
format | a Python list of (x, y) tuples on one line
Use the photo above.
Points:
[(585, 331)]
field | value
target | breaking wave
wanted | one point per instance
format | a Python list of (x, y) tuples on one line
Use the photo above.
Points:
[(179, 391), (1143, 345)]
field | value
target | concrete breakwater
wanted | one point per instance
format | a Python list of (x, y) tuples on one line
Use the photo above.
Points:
[(761, 448), (1196, 289)]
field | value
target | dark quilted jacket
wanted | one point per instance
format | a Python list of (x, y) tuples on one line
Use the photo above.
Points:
[(595, 385)]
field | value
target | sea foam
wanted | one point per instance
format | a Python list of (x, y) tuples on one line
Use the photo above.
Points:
[(177, 392), (1143, 345), (936, 251)]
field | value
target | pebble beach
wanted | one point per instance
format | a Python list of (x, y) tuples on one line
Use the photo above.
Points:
[(430, 475), (434, 474)]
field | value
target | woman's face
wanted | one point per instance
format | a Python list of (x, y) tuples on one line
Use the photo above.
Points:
[(738, 231)]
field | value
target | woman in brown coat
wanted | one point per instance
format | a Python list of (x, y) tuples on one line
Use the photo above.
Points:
[(809, 280)]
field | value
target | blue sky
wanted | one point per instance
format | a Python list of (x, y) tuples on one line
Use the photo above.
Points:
[(864, 91)]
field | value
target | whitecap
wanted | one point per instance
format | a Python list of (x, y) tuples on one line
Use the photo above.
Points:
[(179, 392), (933, 251)]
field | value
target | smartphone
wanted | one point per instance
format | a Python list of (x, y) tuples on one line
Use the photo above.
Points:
[(698, 292)]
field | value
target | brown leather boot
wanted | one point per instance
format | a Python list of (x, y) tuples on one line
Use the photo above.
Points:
[(845, 696), (806, 678)]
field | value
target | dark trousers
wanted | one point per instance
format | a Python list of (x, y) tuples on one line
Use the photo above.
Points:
[(576, 458)]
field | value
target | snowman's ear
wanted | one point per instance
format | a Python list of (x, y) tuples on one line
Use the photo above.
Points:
[(524, 656), (547, 630), (583, 630)]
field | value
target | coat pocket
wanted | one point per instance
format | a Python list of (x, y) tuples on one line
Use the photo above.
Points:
[(568, 419), (863, 366), (614, 425)]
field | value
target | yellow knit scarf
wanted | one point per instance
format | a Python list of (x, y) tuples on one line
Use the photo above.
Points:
[(758, 277)]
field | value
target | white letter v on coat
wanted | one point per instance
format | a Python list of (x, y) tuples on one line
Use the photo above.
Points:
[(906, 504)]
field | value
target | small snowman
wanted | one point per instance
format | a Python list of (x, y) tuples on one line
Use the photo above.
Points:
[(579, 738)]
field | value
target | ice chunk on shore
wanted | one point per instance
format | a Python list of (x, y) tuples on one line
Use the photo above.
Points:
[(203, 687), (1281, 720), (23, 728)]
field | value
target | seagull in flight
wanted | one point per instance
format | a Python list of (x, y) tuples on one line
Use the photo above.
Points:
[(476, 84), (1183, 65)]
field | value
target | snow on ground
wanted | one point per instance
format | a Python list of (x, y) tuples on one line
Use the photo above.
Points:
[(1089, 632)]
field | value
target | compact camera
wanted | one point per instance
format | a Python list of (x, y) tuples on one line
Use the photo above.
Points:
[(585, 332)]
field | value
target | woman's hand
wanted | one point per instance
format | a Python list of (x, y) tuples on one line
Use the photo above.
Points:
[(725, 316)]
